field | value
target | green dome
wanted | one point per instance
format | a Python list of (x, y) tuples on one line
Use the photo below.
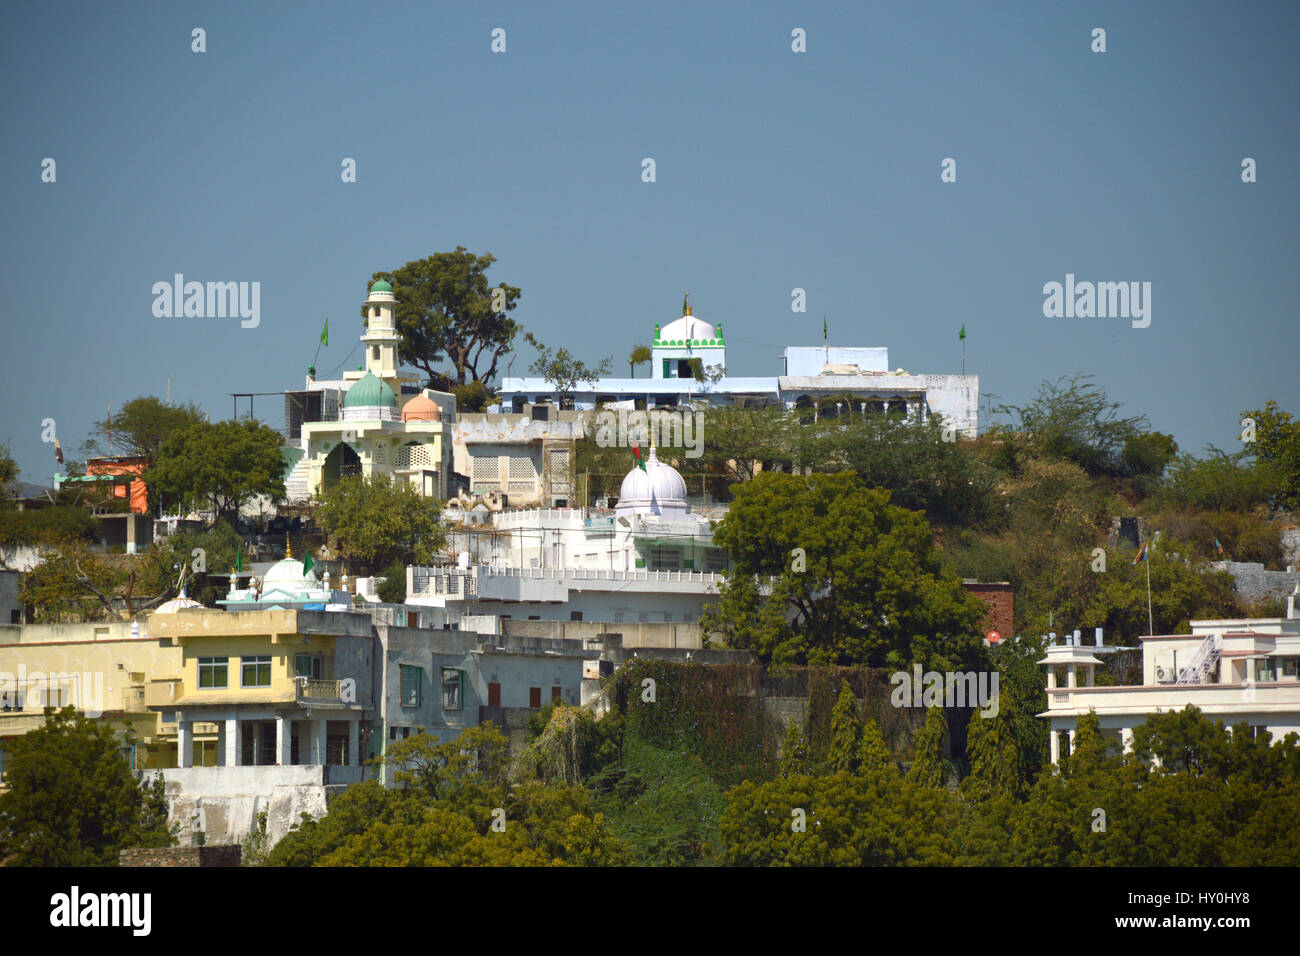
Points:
[(381, 286), (370, 391)]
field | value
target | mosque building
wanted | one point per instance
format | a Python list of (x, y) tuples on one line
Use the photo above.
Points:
[(372, 421), (650, 559), (810, 374)]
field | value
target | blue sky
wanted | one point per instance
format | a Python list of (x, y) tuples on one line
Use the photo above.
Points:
[(775, 170)]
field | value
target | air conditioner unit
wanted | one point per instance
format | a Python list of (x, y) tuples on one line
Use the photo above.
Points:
[(1165, 675)]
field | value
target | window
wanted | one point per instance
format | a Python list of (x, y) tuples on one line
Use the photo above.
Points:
[(451, 688), (1289, 666), (375, 312), (1266, 669), (374, 352), (557, 693), (575, 615), (534, 697), (412, 678), (255, 671), (308, 665), (494, 694), (212, 671)]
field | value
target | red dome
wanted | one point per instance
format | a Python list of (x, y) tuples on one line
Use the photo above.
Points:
[(421, 409)]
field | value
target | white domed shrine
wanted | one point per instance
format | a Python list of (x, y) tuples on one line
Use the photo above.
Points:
[(658, 490)]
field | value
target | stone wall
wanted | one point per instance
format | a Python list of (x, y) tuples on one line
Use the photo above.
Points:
[(225, 855), (1256, 584)]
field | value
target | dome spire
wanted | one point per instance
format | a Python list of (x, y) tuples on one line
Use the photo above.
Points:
[(686, 304), (288, 550)]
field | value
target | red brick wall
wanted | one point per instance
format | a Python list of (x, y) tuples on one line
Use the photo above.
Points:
[(1000, 599)]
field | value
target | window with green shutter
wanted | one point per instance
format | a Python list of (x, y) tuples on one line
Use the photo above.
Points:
[(412, 677), (255, 671)]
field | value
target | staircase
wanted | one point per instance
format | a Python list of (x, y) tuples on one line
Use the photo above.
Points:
[(1207, 655), (296, 490)]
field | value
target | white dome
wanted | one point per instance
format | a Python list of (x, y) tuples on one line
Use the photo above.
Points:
[(657, 490), (178, 603), (685, 329), (287, 574)]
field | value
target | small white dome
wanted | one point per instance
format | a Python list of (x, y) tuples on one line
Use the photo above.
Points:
[(686, 329), (657, 490), (178, 603)]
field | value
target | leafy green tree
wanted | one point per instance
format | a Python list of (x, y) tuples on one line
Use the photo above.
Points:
[(46, 525), (1075, 420), (874, 754), (140, 427), (853, 579), (846, 731), (447, 311), (72, 799), (393, 589), (1217, 482), (920, 465), (1277, 452), (850, 820), (473, 397), (563, 370), (794, 752), (220, 467), (638, 356), (994, 758), (1180, 592), (927, 766), (377, 522), (8, 472)]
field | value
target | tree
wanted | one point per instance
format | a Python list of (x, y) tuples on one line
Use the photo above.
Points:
[(638, 356), (1277, 452), (378, 522), (846, 732), (927, 766), (393, 589), (72, 799), (1075, 420), (140, 427), (1180, 593), (874, 753), (994, 758), (853, 579), (8, 472), (472, 397), (794, 752), (563, 371), (446, 311), (220, 467)]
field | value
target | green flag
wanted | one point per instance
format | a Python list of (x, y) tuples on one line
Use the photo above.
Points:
[(325, 333), (307, 563), (824, 339), (640, 462), (962, 334), (239, 560)]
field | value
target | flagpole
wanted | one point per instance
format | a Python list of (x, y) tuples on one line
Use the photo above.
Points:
[(1151, 628)]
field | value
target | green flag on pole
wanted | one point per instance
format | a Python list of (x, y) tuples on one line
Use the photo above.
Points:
[(824, 338), (307, 563), (239, 560), (325, 333), (962, 334)]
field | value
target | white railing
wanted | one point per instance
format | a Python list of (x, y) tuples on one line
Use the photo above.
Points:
[(1204, 660), (460, 581), (532, 516)]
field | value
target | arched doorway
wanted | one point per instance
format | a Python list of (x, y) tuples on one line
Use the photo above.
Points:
[(341, 462)]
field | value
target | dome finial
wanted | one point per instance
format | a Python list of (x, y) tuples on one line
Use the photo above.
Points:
[(686, 304), (288, 551)]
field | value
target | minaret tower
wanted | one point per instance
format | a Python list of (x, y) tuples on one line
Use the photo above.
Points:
[(381, 337)]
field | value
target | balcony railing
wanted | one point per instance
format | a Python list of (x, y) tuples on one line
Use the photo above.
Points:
[(311, 689)]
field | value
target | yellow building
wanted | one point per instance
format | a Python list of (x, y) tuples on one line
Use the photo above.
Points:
[(264, 687), (104, 670)]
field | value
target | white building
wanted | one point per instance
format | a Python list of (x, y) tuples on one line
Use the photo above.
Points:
[(810, 374), (651, 559), (1232, 670)]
